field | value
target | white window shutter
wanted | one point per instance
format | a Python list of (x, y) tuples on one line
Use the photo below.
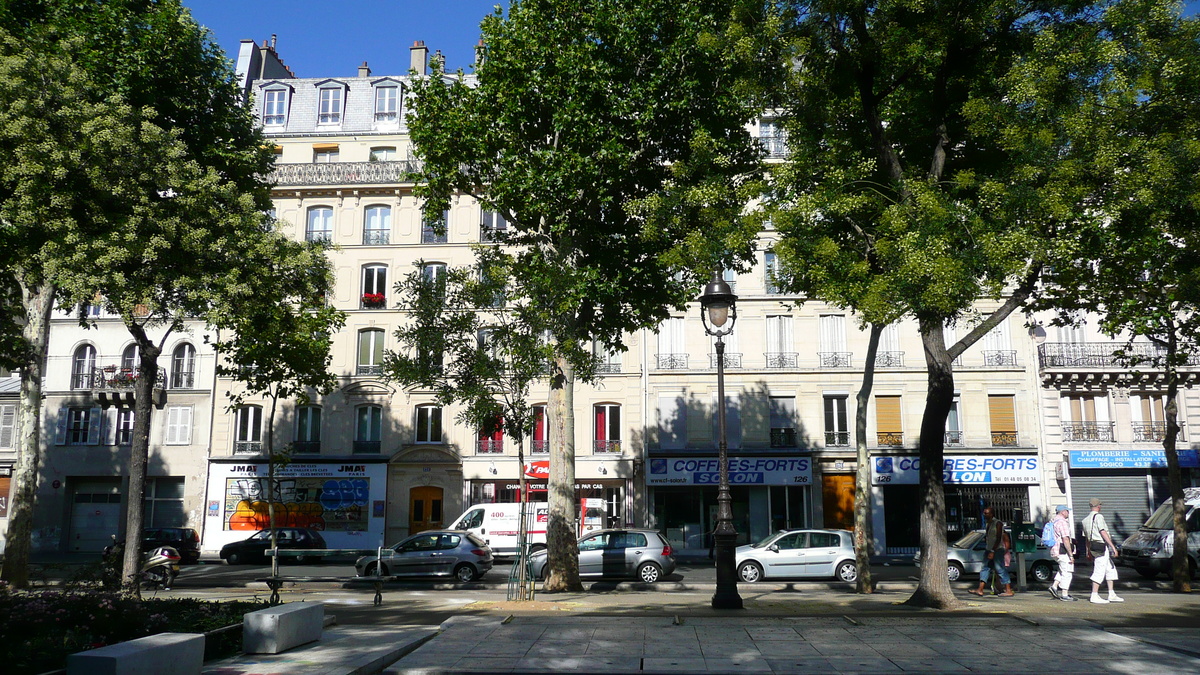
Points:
[(183, 430), (95, 423), (111, 418), (8, 426), (60, 431)]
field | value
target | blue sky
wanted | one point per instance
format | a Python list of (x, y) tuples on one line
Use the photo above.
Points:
[(330, 39)]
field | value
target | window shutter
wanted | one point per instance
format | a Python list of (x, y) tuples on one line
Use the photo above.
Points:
[(95, 422), (887, 414), (111, 418), (8, 424), (890, 340), (1002, 413), (833, 333), (60, 431)]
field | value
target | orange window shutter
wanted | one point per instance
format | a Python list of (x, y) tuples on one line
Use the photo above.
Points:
[(1002, 413), (887, 414)]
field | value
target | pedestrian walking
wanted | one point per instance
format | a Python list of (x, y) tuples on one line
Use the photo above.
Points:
[(996, 545), (1064, 553), (1100, 545)]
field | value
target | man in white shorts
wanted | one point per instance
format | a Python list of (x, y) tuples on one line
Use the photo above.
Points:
[(1100, 545), (1064, 553)]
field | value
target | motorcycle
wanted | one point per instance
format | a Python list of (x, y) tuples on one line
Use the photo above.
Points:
[(160, 565)]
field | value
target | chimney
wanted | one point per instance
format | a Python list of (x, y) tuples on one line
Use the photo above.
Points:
[(363, 70), (419, 58), (272, 41), (480, 53), (440, 60)]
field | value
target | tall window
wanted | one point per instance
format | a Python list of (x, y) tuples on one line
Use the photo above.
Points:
[(124, 431), (247, 436), (179, 425), (374, 286), (274, 107), (606, 361), (183, 367), (997, 348), (832, 336), (493, 227), (733, 420), (1148, 417), (954, 434), (434, 229), (608, 427), (429, 424), (82, 366), (770, 273), (383, 155), (387, 104), (888, 424), (130, 360), (539, 444), (370, 351), (434, 276), (491, 438), (79, 426), (320, 224), (672, 354), (368, 428), (779, 343), (377, 225), (1085, 419), (1003, 417), (164, 502), (783, 422), (330, 111), (672, 422), (308, 429), (836, 431)]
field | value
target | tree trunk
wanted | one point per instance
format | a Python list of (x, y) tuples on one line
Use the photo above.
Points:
[(1181, 576), (38, 300), (864, 532), (138, 455), (269, 445), (933, 588), (562, 542)]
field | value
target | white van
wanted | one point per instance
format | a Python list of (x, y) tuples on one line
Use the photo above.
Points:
[(1149, 550), (497, 524)]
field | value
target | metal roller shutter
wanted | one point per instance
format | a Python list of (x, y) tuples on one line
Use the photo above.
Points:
[(1125, 496)]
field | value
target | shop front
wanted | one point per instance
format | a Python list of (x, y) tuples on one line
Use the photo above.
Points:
[(345, 500), (1003, 482), (767, 494), (1131, 483)]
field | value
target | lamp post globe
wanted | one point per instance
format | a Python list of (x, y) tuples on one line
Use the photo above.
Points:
[(718, 313)]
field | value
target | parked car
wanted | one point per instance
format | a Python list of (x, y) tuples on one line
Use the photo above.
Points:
[(641, 554), (965, 558), (182, 539), (255, 548), (798, 554), (432, 553), (1148, 551)]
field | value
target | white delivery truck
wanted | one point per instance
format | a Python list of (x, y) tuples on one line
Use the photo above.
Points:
[(497, 524)]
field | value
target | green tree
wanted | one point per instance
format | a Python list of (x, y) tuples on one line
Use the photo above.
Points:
[(611, 136), (279, 342)]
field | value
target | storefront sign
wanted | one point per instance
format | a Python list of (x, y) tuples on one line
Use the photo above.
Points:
[(538, 469), (959, 469), (742, 471), (1130, 459)]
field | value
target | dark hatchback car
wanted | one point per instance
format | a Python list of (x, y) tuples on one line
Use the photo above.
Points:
[(182, 539), (255, 548)]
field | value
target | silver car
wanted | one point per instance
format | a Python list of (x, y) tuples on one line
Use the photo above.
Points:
[(965, 558), (433, 553), (642, 554), (799, 553)]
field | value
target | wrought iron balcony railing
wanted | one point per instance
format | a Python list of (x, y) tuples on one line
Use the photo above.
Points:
[(247, 447), (1102, 355), (837, 439), (731, 360), (779, 360), (306, 447), (1088, 432), (376, 237), (999, 357), (367, 369), (490, 446), (1004, 439), (954, 438), (608, 367), (834, 359), (1152, 432), (607, 447), (367, 447), (775, 146), (318, 235), (432, 236), (183, 379), (784, 437), (889, 359), (890, 438), (114, 378), (345, 173), (672, 361), (539, 447)]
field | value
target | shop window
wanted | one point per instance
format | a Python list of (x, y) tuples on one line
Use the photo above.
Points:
[(888, 425), (429, 424), (607, 418), (837, 433), (164, 503), (368, 429)]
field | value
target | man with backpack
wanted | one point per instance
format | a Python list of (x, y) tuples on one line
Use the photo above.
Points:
[(1063, 550), (1099, 544), (996, 544)]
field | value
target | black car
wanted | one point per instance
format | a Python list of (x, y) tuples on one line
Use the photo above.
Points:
[(255, 548), (182, 539)]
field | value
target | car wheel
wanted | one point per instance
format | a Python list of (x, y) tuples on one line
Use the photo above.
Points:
[(847, 571), (369, 570), (750, 572), (649, 572), (954, 570), (233, 558), (464, 573), (1041, 572), (536, 547)]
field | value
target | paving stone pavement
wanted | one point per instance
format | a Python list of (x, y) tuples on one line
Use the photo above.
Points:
[(962, 644)]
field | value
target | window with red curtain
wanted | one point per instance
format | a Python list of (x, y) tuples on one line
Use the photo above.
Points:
[(492, 442), (538, 444), (608, 427)]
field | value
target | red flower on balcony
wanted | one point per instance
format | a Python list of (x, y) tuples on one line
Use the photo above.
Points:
[(373, 300)]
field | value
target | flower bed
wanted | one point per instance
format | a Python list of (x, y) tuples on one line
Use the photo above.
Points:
[(42, 627)]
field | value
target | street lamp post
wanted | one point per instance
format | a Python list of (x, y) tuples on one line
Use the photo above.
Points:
[(719, 313)]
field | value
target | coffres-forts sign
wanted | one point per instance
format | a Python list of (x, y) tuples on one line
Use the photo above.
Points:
[(963, 469), (742, 471)]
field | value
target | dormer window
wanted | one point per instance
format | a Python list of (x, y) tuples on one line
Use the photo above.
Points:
[(330, 110), (387, 104), (275, 107)]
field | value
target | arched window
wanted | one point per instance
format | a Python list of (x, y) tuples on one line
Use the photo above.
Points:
[(308, 429), (183, 367), (247, 436), (370, 351), (320, 224), (429, 424), (608, 428), (368, 428), (82, 366), (130, 360), (374, 286), (377, 225)]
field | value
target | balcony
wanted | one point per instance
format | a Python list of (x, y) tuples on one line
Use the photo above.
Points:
[(837, 439), (671, 361), (247, 447), (1088, 432), (368, 369), (492, 235), (183, 379), (539, 447), (775, 146), (431, 236), (490, 446), (1153, 432), (781, 360), (1106, 355), (834, 359), (1004, 358), (318, 235), (607, 367), (366, 447), (730, 360), (954, 439), (377, 237), (345, 173), (890, 438), (784, 437), (306, 447), (607, 447), (113, 385), (1004, 439), (889, 359)]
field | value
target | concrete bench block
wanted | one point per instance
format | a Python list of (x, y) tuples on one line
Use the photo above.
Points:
[(278, 629), (165, 654)]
